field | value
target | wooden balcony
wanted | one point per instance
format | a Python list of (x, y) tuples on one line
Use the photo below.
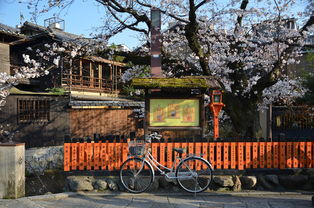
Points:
[(87, 83)]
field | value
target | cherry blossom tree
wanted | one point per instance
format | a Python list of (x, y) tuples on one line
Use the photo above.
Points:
[(246, 45), (39, 61)]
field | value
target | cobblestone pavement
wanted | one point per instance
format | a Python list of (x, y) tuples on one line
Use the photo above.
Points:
[(257, 200)]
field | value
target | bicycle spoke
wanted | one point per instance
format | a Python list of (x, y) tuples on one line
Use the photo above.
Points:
[(198, 175), (136, 175)]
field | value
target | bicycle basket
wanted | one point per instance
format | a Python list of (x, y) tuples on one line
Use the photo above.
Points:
[(136, 147)]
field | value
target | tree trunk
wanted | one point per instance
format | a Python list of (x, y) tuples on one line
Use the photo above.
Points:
[(244, 116)]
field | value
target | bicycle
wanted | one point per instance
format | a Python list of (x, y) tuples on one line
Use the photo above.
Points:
[(193, 173)]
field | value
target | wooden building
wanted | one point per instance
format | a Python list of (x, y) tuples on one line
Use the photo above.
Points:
[(85, 98)]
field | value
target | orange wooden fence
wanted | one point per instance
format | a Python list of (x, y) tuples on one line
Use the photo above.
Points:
[(222, 155)]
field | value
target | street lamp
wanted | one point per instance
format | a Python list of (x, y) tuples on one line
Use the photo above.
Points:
[(216, 106)]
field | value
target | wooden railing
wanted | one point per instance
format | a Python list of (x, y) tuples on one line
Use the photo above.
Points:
[(223, 155), (77, 81)]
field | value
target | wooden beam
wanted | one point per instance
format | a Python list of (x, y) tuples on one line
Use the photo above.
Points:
[(81, 72), (91, 75), (100, 75)]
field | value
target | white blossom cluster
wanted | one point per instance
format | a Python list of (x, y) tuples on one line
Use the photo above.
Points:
[(285, 90), (135, 71), (38, 62), (241, 56)]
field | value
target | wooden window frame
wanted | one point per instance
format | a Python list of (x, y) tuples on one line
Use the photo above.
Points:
[(33, 110)]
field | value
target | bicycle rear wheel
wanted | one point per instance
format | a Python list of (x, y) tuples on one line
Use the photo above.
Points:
[(194, 174), (136, 175)]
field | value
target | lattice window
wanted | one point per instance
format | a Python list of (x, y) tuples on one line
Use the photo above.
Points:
[(33, 110)]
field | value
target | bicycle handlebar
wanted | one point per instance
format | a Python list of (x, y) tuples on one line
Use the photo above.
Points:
[(154, 135)]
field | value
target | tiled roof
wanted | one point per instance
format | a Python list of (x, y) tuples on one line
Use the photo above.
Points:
[(9, 30), (59, 34)]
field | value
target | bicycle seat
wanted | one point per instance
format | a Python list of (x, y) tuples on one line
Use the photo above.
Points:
[(179, 150)]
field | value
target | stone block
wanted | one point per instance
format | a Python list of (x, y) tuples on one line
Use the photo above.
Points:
[(293, 181), (237, 183), (224, 181), (264, 183), (273, 179), (80, 183), (112, 184), (12, 171), (100, 184), (248, 182)]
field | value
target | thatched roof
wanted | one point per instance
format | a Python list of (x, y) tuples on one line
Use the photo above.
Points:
[(193, 82)]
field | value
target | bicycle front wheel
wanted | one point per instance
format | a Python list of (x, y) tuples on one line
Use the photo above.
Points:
[(136, 175), (194, 174)]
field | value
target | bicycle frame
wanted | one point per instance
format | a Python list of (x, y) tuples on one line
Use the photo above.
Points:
[(154, 163)]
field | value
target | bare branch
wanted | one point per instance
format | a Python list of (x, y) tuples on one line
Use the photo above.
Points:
[(200, 4), (119, 8), (164, 12), (240, 17), (129, 26)]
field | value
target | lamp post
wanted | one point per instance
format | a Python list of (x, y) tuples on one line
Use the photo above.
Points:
[(216, 106)]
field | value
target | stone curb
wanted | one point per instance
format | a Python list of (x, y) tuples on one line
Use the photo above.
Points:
[(124, 194), (48, 197)]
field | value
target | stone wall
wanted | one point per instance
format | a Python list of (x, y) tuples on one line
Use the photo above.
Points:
[(219, 183), (39, 160)]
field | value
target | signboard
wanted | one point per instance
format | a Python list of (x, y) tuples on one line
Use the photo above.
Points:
[(174, 112)]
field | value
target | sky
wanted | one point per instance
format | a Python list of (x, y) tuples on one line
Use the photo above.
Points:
[(81, 18)]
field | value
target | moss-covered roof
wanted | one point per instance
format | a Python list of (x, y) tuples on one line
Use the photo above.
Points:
[(16, 91), (186, 82)]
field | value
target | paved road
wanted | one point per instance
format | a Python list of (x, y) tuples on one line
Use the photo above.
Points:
[(206, 200)]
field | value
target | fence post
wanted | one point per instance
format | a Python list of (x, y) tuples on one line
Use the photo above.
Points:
[(282, 154), (169, 154), (205, 151), (255, 155), (302, 161), (262, 154), (309, 155), (233, 154), (248, 154), (240, 156), (125, 150), (74, 156), (218, 155), (81, 154), (276, 155), (103, 154), (269, 155), (226, 155), (96, 154), (289, 154), (66, 156), (295, 154), (162, 153)]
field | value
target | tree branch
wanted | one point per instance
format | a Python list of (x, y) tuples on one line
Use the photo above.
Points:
[(201, 4), (129, 26), (240, 17), (191, 30), (163, 11), (113, 4)]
